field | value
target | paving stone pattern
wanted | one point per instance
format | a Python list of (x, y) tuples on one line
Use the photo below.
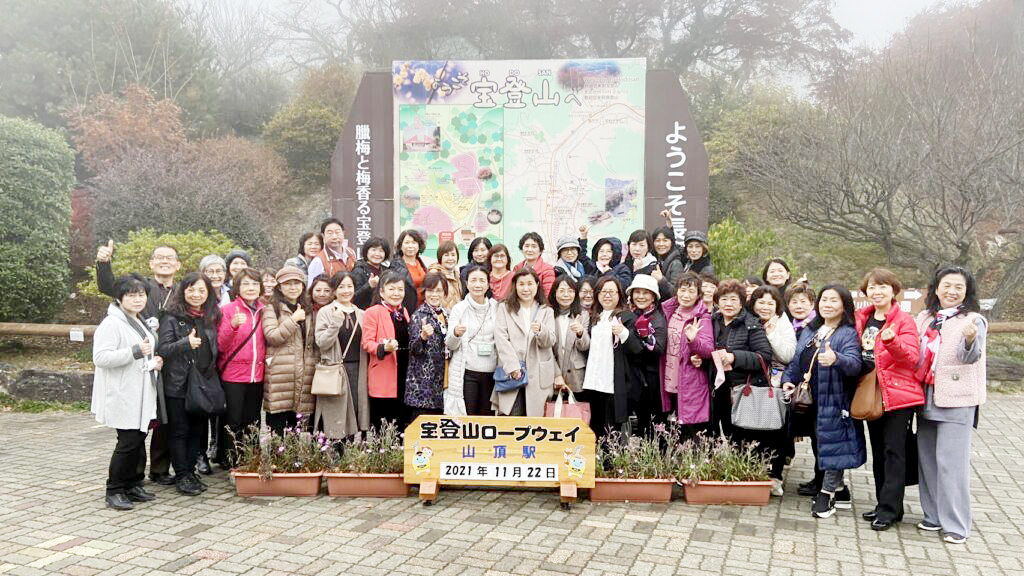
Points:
[(53, 520)]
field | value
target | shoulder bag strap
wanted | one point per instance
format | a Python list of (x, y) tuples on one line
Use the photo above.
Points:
[(355, 326), (255, 325)]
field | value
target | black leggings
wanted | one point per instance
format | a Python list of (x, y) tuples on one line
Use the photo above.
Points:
[(476, 391)]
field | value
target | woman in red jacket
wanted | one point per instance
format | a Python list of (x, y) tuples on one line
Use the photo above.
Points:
[(386, 340), (890, 346)]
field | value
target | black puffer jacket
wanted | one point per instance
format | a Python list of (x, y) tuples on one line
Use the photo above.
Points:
[(361, 273), (744, 337), (174, 349)]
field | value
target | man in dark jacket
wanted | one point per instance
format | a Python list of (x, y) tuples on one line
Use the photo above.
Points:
[(165, 264)]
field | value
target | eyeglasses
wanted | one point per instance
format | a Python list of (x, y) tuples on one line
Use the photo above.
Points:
[(609, 292), (165, 258)]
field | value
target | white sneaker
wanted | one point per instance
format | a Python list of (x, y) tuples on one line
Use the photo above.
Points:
[(776, 487), (954, 538)]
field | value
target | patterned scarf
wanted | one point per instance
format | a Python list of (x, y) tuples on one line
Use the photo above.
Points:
[(930, 341)]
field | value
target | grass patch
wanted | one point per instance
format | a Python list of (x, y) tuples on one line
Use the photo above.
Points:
[(9, 403), (1009, 346)]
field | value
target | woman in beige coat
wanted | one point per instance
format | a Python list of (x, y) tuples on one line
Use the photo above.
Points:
[(524, 331), (338, 324), (572, 340), (291, 353)]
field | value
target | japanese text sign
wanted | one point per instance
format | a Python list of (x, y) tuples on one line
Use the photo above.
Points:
[(499, 451)]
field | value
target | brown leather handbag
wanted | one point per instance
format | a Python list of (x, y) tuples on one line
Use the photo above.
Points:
[(867, 400)]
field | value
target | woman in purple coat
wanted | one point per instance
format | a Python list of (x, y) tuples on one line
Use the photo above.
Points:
[(684, 384)]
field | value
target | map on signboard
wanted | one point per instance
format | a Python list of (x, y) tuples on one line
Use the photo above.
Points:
[(499, 149)]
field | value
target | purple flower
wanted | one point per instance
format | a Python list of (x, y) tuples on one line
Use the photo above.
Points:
[(280, 449)]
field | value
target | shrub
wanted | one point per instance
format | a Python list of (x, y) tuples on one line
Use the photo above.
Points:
[(133, 254), (37, 171), (380, 452), (305, 134), (268, 452), (717, 459), (634, 456), (227, 184), (740, 249)]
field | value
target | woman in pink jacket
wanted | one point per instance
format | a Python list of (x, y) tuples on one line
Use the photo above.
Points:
[(684, 384), (241, 352)]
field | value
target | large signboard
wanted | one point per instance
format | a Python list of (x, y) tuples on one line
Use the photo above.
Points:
[(498, 451), (459, 149), (501, 148)]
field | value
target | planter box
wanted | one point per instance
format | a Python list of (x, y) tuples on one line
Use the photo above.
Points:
[(366, 485), (291, 484), (744, 493), (632, 490)]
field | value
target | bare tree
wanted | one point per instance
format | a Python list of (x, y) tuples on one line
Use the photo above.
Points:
[(919, 149)]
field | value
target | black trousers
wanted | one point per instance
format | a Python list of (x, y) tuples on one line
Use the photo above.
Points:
[(159, 452), (602, 410), (476, 391), (244, 402), (721, 411), (390, 409), (889, 461), (648, 408), (187, 437), (771, 442), (281, 420), (129, 454)]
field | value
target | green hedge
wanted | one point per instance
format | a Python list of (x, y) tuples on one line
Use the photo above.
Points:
[(37, 172), (133, 254)]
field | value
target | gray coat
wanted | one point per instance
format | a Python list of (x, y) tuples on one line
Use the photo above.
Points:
[(515, 342), (341, 413), (124, 393)]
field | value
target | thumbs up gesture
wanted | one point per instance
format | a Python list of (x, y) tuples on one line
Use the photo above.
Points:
[(827, 357), (299, 315), (426, 330), (460, 330), (194, 341), (146, 346), (583, 230), (238, 319), (105, 252), (888, 334), (373, 281), (576, 326)]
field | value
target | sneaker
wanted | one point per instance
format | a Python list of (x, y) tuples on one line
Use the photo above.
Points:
[(202, 485), (954, 538), (776, 487), (928, 526), (188, 486), (843, 499), (824, 505), (808, 488)]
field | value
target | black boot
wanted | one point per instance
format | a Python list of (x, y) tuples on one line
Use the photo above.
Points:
[(119, 502)]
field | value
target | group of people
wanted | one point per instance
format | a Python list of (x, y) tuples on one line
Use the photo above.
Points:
[(646, 334)]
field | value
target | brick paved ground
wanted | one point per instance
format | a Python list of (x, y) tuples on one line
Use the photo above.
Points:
[(53, 520)]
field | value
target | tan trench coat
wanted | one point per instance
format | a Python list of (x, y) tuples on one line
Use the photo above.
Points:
[(343, 415), (515, 342)]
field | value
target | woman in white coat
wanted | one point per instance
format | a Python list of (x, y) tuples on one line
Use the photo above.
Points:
[(471, 342), (524, 333), (124, 389)]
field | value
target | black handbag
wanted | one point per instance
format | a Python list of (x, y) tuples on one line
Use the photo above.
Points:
[(204, 395)]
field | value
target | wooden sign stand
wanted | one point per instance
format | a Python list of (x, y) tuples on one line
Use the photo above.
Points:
[(499, 452)]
